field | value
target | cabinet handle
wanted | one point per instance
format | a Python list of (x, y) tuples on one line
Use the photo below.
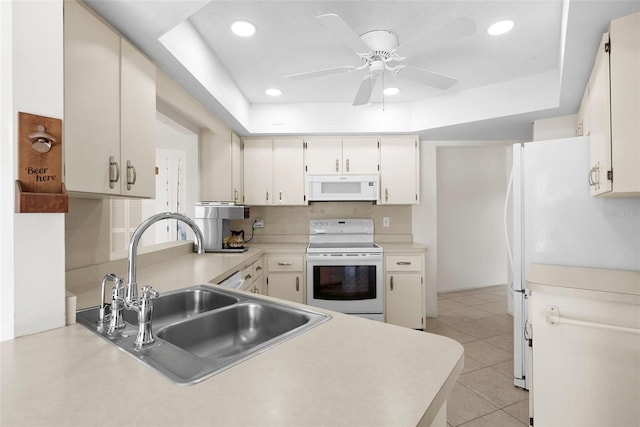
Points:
[(594, 176), (258, 268), (297, 284), (391, 282), (284, 264), (337, 164), (247, 277), (403, 263), (386, 194), (280, 195), (236, 194), (131, 170), (347, 165), (267, 195), (113, 167)]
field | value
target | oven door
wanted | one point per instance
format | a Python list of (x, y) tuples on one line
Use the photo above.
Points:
[(348, 283)]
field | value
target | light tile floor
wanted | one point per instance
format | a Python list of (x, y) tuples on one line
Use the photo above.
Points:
[(484, 394)]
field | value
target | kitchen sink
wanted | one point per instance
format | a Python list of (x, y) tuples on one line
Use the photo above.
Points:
[(201, 331), (234, 330), (175, 306)]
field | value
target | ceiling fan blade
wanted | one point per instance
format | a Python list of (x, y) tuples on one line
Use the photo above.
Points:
[(335, 25), (320, 73), (428, 78), (364, 91), (455, 29)]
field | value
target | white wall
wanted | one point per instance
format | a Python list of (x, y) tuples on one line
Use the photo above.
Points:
[(471, 193), (460, 217), (36, 240)]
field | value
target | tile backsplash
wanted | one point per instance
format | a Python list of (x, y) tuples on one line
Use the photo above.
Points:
[(291, 223)]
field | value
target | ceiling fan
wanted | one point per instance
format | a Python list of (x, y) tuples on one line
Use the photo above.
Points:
[(379, 51)]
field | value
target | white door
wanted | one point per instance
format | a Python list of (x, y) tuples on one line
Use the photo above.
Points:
[(288, 172), (258, 172)]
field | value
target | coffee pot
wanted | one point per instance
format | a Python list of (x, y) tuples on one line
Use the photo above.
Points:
[(236, 240)]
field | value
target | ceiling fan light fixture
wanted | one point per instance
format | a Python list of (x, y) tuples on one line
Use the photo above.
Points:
[(501, 27), (273, 92), (390, 91), (243, 28)]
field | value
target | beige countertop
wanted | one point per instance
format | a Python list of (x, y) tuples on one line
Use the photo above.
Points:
[(594, 283), (347, 371)]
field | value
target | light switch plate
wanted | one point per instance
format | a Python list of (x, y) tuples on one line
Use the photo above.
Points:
[(385, 221)]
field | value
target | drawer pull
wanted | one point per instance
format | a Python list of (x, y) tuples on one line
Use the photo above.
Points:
[(258, 268), (403, 263), (297, 284), (284, 264), (247, 277)]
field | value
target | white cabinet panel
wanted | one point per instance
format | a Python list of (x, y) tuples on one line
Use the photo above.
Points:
[(288, 172), (323, 155), (399, 170), (258, 172), (360, 156)]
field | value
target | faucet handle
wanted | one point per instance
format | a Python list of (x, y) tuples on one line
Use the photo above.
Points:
[(149, 293)]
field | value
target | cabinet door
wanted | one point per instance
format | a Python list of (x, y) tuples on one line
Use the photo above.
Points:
[(399, 172), (237, 191), (215, 166), (600, 122), (91, 102), (288, 172), (288, 286), (403, 292), (258, 172), (360, 156), (323, 156), (137, 123)]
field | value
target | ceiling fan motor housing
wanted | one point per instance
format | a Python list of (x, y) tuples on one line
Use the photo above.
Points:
[(381, 42)]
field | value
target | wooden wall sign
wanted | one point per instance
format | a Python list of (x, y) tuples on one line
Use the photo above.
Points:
[(39, 187)]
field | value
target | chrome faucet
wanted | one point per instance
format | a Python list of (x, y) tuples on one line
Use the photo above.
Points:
[(132, 286), (143, 306)]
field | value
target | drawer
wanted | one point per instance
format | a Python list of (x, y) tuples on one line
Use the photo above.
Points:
[(257, 268), (403, 263), (247, 274), (285, 263)]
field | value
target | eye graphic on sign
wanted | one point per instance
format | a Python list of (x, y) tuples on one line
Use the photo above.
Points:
[(41, 140)]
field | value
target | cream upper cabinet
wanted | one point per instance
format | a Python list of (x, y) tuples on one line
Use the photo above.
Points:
[(220, 157), (614, 111), (288, 172), (109, 110), (337, 155), (137, 122), (258, 171), (583, 127), (399, 170), (91, 102), (273, 172), (237, 187)]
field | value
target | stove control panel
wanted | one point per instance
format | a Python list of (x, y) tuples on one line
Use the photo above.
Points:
[(340, 226)]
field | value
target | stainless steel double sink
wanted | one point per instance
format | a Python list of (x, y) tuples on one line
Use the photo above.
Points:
[(202, 330)]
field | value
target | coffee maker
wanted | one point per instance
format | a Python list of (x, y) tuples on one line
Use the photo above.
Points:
[(213, 219)]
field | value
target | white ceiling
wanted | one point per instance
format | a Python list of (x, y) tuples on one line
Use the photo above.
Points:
[(229, 74)]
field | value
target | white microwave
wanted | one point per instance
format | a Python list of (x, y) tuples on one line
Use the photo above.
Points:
[(343, 188)]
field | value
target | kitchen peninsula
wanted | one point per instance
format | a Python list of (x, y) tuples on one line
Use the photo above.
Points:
[(347, 371)]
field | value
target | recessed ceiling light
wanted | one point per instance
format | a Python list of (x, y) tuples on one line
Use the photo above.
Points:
[(243, 28), (391, 91), (273, 92), (499, 28)]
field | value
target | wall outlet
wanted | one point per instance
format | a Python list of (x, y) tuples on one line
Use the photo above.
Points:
[(258, 223), (385, 221)]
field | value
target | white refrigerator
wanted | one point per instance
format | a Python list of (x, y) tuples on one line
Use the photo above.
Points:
[(556, 221)]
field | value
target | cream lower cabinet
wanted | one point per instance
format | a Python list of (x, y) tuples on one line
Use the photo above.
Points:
[(614, 111), (285, 277), (109, 110), (404, 290), (274, 172), (253, 277), (399, 170)]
